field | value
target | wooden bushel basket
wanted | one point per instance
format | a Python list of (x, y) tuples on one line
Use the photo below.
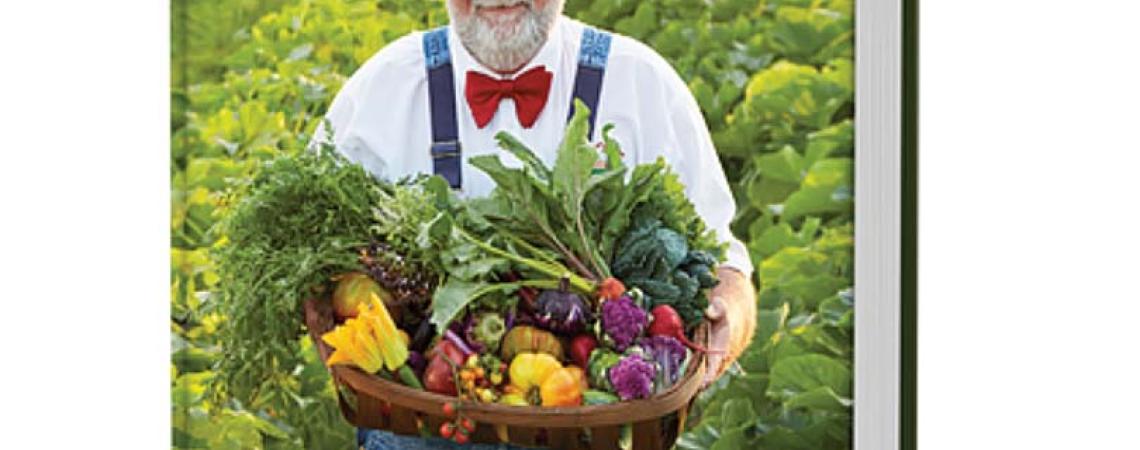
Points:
[(369, 401)]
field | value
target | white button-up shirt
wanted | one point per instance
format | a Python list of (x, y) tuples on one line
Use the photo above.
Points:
[(381, 118)]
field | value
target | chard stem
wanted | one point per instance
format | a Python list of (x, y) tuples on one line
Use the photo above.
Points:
[(553, 270)]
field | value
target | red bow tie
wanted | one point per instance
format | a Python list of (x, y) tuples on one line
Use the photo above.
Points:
[(528, 90)]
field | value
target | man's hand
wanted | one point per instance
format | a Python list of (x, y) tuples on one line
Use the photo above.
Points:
[(732, 314)]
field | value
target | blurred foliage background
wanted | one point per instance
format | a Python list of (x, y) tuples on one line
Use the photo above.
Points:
[(250, 79)]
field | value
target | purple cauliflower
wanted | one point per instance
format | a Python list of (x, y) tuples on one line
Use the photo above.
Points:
[(668, 353), (632, 377), (623, 321)]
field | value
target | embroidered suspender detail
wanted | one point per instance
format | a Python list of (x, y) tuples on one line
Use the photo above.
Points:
[(592, 56), (445, 149)]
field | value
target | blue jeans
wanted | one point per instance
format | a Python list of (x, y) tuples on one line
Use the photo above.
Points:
[(382, 440)]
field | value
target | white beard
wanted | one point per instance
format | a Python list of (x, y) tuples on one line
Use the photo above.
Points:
[(505, 47)]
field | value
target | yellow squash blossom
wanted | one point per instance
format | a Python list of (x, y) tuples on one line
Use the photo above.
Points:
[(369, 341)]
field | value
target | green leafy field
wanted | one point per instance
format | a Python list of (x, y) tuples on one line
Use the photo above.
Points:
[(250, 80)]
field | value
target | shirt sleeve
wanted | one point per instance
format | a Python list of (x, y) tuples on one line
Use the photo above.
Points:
[(338, 128), (699, 168)]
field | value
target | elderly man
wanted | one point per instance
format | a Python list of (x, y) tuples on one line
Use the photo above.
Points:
[(428, 101)]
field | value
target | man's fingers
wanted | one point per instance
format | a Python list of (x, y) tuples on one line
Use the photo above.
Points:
[(715, 310), (712, 369), (718, 340)]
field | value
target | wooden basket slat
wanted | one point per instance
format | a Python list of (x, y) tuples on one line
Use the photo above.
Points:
[(485, 433), (647, 435), (605, 437), (370, 413), (523, 435), (404, 420), (563, 438)]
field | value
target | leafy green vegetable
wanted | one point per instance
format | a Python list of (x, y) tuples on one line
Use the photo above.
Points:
[(549, 206), (659, 261)]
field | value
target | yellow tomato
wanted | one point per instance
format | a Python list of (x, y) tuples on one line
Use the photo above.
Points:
[(562, 388), (529, 370)]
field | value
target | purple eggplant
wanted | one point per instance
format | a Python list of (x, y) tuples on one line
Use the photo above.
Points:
[(562, 311)]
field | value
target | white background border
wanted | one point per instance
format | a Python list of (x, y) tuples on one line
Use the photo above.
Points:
[(878, 168)]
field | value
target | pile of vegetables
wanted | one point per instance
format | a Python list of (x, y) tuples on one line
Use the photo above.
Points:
[(568, 285)]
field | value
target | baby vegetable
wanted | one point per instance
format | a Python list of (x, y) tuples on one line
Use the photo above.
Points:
[(562, 311), (563, 387), (596, 397), (622, 321), (354, 290), (488, 330), (439, 377), (632, 378), (529, 370), (610, 288), (371, 341), (530, 339), (580, 348), (668, 353), (666, 322), (515, 399), (598, 369), (540, 379)]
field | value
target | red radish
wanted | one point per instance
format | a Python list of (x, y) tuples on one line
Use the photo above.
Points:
[(580, 348), (666, 322)]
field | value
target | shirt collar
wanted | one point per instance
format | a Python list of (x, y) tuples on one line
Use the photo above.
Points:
[(548, 55)]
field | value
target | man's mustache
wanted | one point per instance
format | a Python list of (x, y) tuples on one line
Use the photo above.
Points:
[(500, 3)]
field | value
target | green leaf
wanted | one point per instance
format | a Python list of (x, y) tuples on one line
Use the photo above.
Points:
[(827, 188), (732, 439), (736, 412), (783, 165), (811, 34), (524, 154), (799, 374), (700, 438), (821, 398), (450, 298), (835, 140)]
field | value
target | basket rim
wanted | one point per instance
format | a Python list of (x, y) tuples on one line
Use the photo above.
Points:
[(676, 397)]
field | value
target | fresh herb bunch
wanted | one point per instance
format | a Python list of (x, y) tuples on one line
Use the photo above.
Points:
[(286, 232)]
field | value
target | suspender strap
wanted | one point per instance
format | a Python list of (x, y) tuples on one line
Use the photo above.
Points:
[(592, 56), (445, 149)]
